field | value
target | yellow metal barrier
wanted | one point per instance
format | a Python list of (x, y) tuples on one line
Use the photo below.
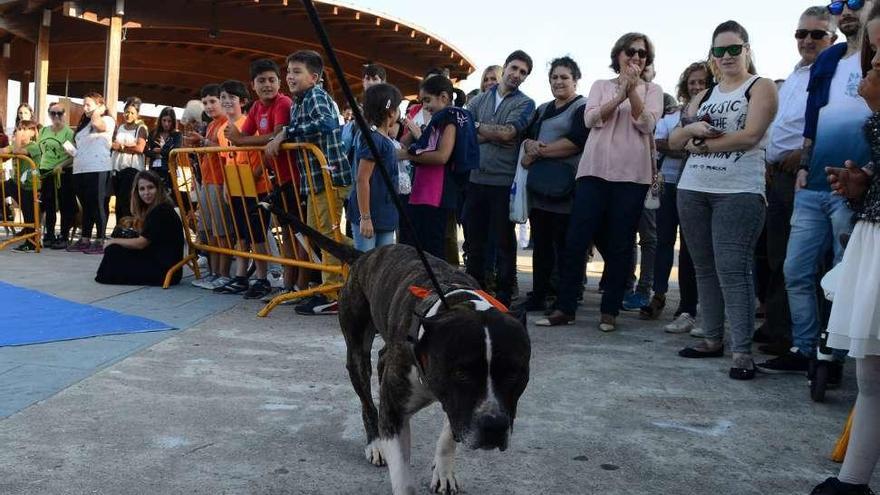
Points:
[(217, 190), (20, 195)]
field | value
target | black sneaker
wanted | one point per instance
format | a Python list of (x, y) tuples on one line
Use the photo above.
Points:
[(235, 286), (317, 305), (60, 243), (258, 290), (833, 486), (25, 247), (791, 362)]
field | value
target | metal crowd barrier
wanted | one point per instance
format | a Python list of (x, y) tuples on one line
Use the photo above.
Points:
[(19, 202), (207, 207)]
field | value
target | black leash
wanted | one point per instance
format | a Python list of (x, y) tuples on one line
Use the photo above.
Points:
[(365, 132)]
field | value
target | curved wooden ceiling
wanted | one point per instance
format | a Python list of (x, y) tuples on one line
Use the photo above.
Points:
[(183, 44)]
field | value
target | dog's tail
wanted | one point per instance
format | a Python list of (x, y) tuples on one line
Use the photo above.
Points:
[(346, 254)]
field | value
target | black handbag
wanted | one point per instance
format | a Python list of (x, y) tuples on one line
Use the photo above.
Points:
[(550, 179), (120, 232)]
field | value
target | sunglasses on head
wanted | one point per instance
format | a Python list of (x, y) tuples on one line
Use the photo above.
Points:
[(632, 52), (816, 34), (56, 114), (733, 50), (836, 8)]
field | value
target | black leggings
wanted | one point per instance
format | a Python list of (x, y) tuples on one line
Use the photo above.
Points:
[(92, 189), (122, 184), (49, 203), (67, 203)]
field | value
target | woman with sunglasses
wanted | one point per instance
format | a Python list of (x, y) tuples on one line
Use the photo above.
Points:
[(53, 162), (721, 193), (613, 177)]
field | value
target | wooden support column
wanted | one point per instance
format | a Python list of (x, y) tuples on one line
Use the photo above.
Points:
[(41, 68), (4, 87), (112, 63), (25, 91)]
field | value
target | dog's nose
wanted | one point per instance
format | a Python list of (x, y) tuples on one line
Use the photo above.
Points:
[(493, 431)]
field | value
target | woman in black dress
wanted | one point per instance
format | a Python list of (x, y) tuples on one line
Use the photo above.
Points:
[(145, 259)]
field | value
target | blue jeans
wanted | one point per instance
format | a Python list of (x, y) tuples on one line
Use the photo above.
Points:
[(818, 221), (379, 239), (722, 231), (610, 208)]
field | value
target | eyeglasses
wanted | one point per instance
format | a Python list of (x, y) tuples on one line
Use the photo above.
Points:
[(816, 34), (836, 8), (56, 114), (733, 50), (632, 52)]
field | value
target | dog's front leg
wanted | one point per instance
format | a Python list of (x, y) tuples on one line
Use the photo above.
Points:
[(443, 478), (397, 455)]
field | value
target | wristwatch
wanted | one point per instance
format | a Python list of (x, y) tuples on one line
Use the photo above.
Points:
[(476, 125)]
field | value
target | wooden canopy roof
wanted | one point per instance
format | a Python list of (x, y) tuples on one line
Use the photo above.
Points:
[(171, 48)]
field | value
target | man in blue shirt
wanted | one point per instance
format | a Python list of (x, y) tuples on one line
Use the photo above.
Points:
[(832, 134)]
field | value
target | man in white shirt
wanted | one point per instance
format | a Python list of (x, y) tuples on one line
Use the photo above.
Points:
[(815, 32)]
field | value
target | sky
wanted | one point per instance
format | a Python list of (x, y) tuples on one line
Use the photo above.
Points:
[(486, 31)]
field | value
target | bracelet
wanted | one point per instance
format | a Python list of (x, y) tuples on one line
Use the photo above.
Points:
[(365, 217)]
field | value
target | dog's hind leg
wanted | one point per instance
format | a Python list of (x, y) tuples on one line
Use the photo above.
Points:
[(359, 332)]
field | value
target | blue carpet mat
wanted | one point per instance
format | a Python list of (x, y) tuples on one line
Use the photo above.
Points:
[(32, 317)]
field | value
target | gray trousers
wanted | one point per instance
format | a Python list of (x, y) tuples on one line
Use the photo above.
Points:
[(648, 246), (721, 231)]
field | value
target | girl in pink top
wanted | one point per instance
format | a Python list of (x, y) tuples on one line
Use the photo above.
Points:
[(613, 177)]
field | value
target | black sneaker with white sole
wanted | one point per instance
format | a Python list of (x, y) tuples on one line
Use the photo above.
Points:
[(318, 304), (791, 362), (259, 289)]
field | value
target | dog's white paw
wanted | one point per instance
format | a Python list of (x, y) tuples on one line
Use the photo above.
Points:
[(374, 454), (443, 480)]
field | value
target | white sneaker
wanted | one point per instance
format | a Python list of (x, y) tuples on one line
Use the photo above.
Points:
[(276, 279), (683, 324), (203, 262), (697, 332), (205, 282), (217, 282)]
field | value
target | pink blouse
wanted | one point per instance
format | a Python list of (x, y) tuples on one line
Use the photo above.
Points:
[(619, 149)]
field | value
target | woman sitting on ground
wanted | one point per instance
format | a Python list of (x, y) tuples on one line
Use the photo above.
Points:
[(144, 260)]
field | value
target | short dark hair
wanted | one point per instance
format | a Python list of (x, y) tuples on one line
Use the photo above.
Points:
[(379, 101), (569, 64), (210, 90), (375, 70), (310, 58), (624, 42), (521, 56), (235, 88), (264, 65), (436, 85)]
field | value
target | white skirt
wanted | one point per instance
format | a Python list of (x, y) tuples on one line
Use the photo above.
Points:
[(855, 314)]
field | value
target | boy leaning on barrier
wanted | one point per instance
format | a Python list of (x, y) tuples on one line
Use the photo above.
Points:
[(265, 119), (214, 214), (246, 184), (315, 120)]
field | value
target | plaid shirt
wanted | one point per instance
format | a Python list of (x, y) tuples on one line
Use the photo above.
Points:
[(314, 119)]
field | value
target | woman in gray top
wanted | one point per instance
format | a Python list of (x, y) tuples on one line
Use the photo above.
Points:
[(556, 141)]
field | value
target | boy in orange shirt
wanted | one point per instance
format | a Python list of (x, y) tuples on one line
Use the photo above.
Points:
[(246, 185)]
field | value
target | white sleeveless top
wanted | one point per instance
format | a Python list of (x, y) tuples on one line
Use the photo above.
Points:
[(730, 171), (127, 137)]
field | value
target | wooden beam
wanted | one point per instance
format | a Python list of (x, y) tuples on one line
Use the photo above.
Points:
[(25, 90), (41, 69), (4, 91), (112, 63)]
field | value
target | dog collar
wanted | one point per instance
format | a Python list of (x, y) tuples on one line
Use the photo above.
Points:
[(429, 295)]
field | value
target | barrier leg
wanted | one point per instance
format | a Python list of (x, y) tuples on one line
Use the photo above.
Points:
[(192, 259), (278, 300)]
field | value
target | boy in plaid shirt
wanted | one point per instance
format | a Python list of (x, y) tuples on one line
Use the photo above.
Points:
[(314, 119)]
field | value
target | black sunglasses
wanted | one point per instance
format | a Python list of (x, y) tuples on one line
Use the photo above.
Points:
[(632, 52), (836, 8), (816, 34), (733, 50), (57, 114)]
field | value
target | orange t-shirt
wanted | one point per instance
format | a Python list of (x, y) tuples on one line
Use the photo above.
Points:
[(211, 163), (239, 162)]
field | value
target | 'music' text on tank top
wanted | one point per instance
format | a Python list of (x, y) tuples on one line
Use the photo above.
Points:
[(727, 171)]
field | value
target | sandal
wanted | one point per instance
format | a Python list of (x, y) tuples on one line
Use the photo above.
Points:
[(654, 309)]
